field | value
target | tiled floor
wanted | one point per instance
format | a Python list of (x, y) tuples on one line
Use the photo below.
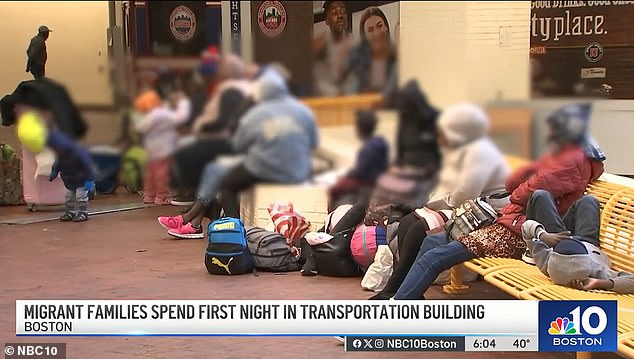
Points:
[(99, 259)]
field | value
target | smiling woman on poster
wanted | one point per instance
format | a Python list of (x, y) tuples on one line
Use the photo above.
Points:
[(373, 60)]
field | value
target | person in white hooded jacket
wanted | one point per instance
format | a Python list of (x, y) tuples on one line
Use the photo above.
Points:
[(472, 166)]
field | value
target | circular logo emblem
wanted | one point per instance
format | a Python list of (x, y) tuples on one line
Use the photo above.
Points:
[(593, 52), (183, 23), (272, 18)]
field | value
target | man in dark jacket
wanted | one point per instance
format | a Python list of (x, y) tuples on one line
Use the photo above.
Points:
[(37, 52)]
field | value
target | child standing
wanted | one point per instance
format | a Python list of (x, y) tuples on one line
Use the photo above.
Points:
[(161, 117), (73, 163)]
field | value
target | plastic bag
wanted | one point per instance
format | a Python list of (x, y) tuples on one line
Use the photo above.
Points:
[(380, 270), (288, 222)]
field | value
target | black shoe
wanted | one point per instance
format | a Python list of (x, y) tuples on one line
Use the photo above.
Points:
[(381, 296), (67, 217), (309, 269), (184, 198), (81, 217)]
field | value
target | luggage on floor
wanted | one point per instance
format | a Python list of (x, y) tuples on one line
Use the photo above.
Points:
[(132, 168), (227, 252), (107, 161), (333, 257), (10, 177), (38, 190), (364, 243), (270, 251)]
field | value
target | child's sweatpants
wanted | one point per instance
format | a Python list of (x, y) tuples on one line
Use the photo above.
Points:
[(156, 181), (77, 200)]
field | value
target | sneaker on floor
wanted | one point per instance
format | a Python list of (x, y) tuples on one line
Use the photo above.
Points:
[(309, 269), (171, 222), (148, 200), (67, 217), (187, 231), (381, 296), (528, 257), (183, 200), (162, 202), (81, 217)]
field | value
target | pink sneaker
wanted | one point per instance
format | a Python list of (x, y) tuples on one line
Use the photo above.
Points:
[(171, 222), (187, 231)]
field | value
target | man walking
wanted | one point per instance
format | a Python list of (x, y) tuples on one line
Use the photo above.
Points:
[(36, 52)]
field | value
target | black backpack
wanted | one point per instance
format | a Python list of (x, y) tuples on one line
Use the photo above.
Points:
[(334, 259), (270, 251)]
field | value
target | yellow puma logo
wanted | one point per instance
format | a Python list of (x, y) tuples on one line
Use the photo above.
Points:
[(217, 262)]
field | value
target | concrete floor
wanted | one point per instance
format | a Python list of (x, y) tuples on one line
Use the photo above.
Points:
[(99, 259)]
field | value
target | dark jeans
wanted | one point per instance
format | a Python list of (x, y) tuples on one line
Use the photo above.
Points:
[(37, 71), (434, 257), (411, 234), (582, 218), (235, 181), (187, 164), (355, 215)]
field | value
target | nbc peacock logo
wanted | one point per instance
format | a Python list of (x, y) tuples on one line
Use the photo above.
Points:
[(562, 326)]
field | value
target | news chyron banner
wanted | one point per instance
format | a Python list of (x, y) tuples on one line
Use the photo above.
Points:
[(440, 325)]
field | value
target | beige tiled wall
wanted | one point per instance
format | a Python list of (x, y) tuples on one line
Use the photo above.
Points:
[(310, 200)]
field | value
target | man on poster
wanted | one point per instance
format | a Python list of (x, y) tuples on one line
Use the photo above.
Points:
[(331, 48)]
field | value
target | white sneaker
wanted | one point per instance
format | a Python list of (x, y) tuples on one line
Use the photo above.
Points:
[(176, 202), (528, 257)]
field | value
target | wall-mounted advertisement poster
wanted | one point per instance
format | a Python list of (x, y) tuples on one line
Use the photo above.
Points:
[(582, 49), (354, 46)]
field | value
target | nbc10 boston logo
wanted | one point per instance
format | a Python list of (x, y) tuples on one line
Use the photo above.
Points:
[(578, 326)]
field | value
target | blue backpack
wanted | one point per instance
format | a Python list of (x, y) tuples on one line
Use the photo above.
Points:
[(227, 252)]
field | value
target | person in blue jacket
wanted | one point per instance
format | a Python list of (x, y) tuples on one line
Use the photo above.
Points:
[(372, 161), (75, 166)]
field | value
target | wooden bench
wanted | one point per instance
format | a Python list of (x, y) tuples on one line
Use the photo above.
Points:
[(525, 281)]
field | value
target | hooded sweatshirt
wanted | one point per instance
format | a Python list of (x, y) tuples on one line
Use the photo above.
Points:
[(416, 133), (472, 165), (563, 268), (278, 134)]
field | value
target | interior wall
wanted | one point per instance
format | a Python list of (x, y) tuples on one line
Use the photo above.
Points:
[(77, 48), (454, 49)]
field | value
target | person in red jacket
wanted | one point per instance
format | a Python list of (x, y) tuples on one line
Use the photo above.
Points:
[(565, 171)]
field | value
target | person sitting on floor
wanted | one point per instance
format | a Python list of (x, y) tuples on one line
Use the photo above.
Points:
[(574, 161), (276, 136), (372, 160), (566, 249)]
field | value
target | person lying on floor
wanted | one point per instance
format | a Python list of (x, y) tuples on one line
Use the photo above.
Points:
[(566, 249), (276, 136), (573, 162)]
